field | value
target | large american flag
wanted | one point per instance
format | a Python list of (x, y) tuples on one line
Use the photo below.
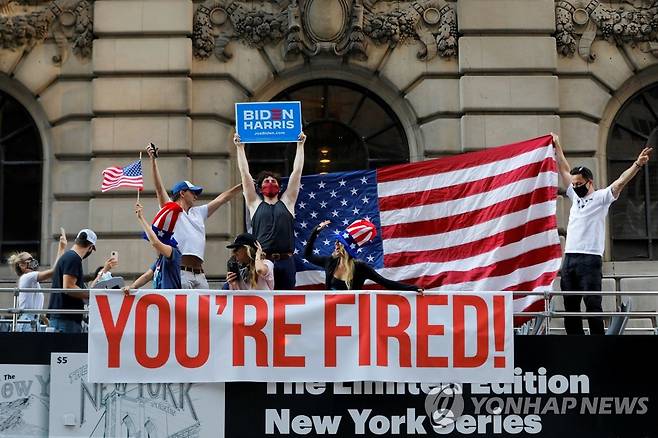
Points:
[(477, 221), (129, 176)]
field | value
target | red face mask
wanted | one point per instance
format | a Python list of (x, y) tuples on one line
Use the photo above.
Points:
[(270, 189)]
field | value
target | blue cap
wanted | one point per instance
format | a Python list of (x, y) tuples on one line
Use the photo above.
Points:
[(186, 185)]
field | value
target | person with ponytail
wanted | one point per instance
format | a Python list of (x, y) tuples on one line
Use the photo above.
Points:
[(343, 270), (248, 269), (29, 277)]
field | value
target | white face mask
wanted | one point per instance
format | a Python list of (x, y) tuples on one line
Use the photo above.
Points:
[(105, 276)]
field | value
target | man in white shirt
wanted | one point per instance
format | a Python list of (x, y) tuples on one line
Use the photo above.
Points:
[(582, 264), (190, 230)]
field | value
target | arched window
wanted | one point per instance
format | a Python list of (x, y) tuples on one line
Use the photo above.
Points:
[(21, 164), (634, 216), (348, 128)]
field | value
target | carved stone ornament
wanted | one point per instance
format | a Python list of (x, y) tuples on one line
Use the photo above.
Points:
[(309, 27), (68, 21), (580, 22)]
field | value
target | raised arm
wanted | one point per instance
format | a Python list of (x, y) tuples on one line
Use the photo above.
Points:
[(223, 198), (248, 188), (563, 167), (289, 197), (160, 190), (308, 249), (48, 273), (618, 185), (160, 247)]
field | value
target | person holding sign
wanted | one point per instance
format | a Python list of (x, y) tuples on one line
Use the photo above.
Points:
[(343, 271), (272, 216)]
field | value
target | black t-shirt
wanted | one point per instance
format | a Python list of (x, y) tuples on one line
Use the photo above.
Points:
[(69, 263), (273, 227)]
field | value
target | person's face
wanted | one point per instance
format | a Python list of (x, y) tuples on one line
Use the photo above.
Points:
[(24, 265), (189, 197), (270, 187), (89, 251), (338, 247), (579, 180), (241, 255)]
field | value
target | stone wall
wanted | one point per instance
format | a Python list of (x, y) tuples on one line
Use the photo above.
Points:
[(143, 83)]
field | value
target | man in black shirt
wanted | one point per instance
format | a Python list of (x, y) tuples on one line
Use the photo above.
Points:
[(68, 275), (272, 217)]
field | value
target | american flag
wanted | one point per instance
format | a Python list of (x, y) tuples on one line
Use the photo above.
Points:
[(129, 176), (474, 222)]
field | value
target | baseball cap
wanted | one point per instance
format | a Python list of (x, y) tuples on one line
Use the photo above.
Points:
[(88, 235), (242, 240), (186, 185)]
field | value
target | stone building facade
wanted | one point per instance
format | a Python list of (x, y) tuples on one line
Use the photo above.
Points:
[(100, 79)]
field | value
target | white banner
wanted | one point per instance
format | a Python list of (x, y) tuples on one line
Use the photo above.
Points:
[(294, 336)]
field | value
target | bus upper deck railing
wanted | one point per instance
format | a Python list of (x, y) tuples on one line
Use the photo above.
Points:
[(544, 316)]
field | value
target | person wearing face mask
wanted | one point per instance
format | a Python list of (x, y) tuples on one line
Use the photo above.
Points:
[(273, 216), (582, 264), (191, 226), (29, 277), (68, 274), (254, 271)]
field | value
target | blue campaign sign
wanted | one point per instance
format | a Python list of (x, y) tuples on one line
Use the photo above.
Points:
[(268, 122)]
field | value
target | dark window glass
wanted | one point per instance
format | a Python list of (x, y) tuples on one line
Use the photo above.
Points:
[(20, 180), (347, 128), (634, 216)]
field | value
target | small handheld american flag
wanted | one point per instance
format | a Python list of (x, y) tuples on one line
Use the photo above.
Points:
[(129, 176)]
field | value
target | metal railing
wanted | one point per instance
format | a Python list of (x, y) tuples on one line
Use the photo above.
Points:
[(543, 317)]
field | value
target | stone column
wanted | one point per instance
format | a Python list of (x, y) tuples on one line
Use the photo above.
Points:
[(142, 92), (507, 56)]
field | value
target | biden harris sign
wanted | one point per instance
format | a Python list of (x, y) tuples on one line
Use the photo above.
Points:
[(268, 122)]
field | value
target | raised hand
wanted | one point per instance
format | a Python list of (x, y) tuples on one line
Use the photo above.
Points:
[(62, 238), (236, 140), (643, 158), (152, 150), (139, 210), (301, 139)]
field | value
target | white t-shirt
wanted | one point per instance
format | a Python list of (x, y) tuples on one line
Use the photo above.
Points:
[(190, 231), (30, 300), (265, 282), (586, 229)]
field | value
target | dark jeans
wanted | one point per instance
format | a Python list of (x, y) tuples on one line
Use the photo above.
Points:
[(63, 325), (582, 272), (284, 274)]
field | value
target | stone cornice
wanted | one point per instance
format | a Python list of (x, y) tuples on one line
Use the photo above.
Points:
[(580, 22), (24, 24), (339, 27)]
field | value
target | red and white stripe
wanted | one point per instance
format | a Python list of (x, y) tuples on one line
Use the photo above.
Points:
[(362, 231), (113, 178), (478, 221), (166, 218)]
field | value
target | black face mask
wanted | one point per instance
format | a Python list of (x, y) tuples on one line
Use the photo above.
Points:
[(88, 253), (581, 190), (33, 264)]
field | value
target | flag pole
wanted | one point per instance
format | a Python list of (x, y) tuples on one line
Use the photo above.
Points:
[(140, 162)]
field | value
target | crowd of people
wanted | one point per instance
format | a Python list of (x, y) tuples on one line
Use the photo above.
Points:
[(263, 259)]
